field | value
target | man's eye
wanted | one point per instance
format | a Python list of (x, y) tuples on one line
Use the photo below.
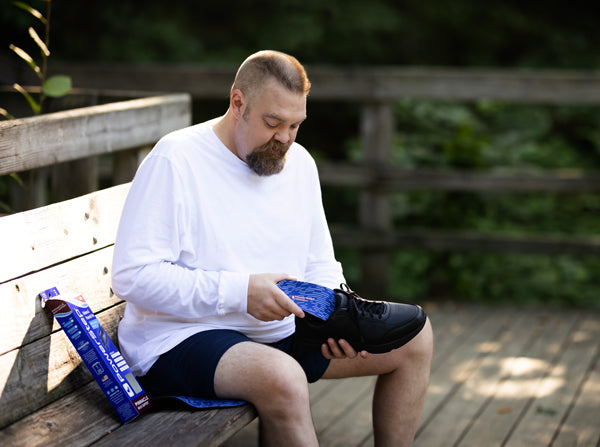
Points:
[(272, 126)]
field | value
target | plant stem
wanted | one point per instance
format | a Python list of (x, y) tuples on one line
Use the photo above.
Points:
[(44, 57)]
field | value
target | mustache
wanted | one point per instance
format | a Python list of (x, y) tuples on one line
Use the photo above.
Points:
[(274, 146)]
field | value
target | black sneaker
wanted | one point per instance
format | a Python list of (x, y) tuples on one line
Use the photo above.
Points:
[(372, 326)]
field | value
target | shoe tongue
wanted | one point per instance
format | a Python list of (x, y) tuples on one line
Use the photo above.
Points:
[(341, 300)]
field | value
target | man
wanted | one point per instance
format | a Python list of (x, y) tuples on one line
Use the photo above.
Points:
[(214, 213)]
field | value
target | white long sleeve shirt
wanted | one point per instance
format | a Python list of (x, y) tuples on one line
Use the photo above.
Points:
[(196, 224)]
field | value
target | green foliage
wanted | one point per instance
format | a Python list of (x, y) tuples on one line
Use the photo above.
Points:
[(54, 86), (337, 32), (498, 136), (482, 136)]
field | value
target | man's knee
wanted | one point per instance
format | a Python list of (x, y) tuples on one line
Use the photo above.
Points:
[(287, 381), (421, 347)]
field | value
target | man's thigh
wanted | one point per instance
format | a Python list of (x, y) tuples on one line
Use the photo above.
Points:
[(248, 370)]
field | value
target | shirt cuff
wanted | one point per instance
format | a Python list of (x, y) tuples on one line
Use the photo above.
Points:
[(233, 293)]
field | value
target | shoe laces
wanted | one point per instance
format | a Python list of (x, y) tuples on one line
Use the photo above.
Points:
[(366, 308)]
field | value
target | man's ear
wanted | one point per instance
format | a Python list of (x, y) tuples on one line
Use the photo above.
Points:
[(237, 103)]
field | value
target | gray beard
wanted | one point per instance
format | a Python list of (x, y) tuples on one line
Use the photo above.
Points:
[(264, 162)]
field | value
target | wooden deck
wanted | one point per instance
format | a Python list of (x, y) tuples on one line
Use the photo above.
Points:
[(500, 377)]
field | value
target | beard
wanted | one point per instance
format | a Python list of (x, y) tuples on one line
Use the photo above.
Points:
[(268, 159)]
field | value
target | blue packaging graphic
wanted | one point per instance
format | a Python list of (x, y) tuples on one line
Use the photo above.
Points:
[(312, 298), (102, 358)]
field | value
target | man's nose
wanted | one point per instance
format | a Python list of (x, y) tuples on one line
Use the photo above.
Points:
[(284, 136)]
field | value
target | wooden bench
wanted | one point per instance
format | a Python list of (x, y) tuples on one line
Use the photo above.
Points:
[(47, 395)]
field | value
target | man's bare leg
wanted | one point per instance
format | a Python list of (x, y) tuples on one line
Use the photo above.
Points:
[(400, 389), (276, 385)]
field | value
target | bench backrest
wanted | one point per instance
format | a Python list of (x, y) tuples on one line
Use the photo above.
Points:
[(67, 245)]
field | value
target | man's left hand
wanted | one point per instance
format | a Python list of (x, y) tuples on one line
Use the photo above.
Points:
[(340, 349)]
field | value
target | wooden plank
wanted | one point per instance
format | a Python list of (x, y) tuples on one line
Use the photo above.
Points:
[(85, 417), (356, 424), (359, 83), (28, 143), (52, 234), (455, 240), (181, 425), (385, 177), (24, 321), (452, 325), (73, 421), (519, 370), (581, 427), (48, 369), (348, 393), (555, 391), (447, 381)]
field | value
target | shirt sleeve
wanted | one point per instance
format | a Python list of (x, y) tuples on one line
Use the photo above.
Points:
[(146, 268), (322, 267)]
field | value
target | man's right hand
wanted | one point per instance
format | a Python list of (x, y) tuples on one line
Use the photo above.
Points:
[(266, 301)]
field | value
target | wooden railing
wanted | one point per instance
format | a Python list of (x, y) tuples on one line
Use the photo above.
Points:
[(125, 129), (378, 89)]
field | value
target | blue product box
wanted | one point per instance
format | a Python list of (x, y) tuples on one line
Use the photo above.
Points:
[(98, 352)]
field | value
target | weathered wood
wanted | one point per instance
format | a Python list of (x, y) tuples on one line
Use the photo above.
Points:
[(44, 140), (48, 369), (389, 178), (449, 240), (340, 434), (96, 421), (520, 374), (555, 391), (181, 426), (359, 83), (377, 125), (76, 420), (46, 236), (581, 428), (459, 413), (24, 321)]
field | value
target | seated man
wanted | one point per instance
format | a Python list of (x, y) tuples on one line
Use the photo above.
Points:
[(218, 214)]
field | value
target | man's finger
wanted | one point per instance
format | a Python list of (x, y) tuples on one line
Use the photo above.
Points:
[(289, 305)]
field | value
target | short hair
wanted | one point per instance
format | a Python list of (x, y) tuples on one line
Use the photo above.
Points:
[(265, 65)]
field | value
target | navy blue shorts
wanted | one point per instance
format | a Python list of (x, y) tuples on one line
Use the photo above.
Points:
[(189, 368)]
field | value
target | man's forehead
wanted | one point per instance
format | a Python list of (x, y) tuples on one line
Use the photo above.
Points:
[(274, 101)]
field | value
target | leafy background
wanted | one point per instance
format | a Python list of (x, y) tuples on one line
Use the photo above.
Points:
[(482, 135)]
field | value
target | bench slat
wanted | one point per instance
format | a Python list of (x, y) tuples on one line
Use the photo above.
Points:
[(76, 420), (181, 426), (23, 320), (95, 419), (48, 369), (46, 236)]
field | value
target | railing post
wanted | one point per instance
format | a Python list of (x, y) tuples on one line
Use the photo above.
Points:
[(377, 128), (125, 163)]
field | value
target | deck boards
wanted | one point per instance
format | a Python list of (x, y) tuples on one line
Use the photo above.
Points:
[(501, 376)]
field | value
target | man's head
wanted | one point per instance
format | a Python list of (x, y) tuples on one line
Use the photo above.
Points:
[(268, 65), (267, 105)]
